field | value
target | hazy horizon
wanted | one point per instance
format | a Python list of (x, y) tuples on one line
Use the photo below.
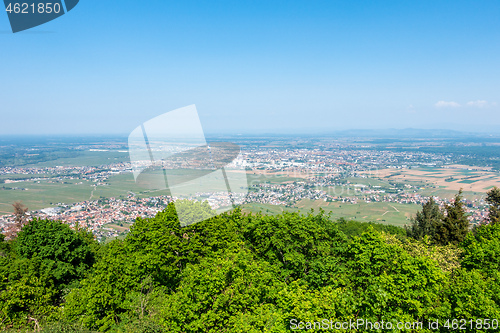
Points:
[(420, 133), (255, 67)]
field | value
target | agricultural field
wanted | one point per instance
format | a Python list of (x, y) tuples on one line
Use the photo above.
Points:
[(451, 178), (266, 209), (48, 192), (87, 158), (369, 181), (380, 212), (22, 176), (263, 176), (121, 227), (42, 194), (444, 193)]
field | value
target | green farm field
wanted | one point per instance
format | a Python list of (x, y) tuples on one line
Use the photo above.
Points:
[(43, 194), (46, 193), (254, 179), (87, 158), (369, 181), (22, 176), (380, 212), (448, 194), (266, 209)]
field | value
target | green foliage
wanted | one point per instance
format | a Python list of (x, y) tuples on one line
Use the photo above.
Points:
[(493, 199), (158, 249), (64, 254), (454, 226), (5, 247), (426, 221), (447, 257), (26, 298), (471, 296), (246, 273), (298, 301), (356, 228), (99, 299), (450, 226), (37, 269), (391, 281), (215, 293), (482, 250), (190, 212), (299, 246)]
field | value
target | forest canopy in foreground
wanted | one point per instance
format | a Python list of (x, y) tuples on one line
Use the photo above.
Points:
[(244, 273)]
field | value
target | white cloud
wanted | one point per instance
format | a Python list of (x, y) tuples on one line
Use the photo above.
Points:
[(480, 104), (444, 104)]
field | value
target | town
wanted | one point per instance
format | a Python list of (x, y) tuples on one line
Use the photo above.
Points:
[(279, 175)]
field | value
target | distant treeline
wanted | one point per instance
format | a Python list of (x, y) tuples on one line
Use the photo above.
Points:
[(13, 156), (30, 149)]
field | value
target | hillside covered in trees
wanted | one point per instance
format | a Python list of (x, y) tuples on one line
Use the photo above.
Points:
[(254, 273)]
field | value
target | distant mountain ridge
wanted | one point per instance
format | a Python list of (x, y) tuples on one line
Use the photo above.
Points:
[(406, 133), (390, 133)]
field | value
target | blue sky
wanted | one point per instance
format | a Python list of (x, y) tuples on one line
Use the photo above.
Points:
[(255, 66)]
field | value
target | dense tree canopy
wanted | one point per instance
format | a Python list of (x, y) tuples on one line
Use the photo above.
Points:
[(455, 225), (38, 268), (448, 226), (493, 199), (63, 254), (245, 273), (426, 221)]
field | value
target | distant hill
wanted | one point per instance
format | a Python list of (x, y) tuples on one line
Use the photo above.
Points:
[(406, 133)]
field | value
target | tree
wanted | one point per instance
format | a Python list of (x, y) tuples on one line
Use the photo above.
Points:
[(426, 221), (64, 253), (454, 227), (101, 296), (190, 212), (249, 273), (222, 294), (20, 211), (472, 295), (5, 247), (301, 246), (20, 219), (389, 281), (157, 250), (26, 298), (493, 199), (36, 268), (482, 249)]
